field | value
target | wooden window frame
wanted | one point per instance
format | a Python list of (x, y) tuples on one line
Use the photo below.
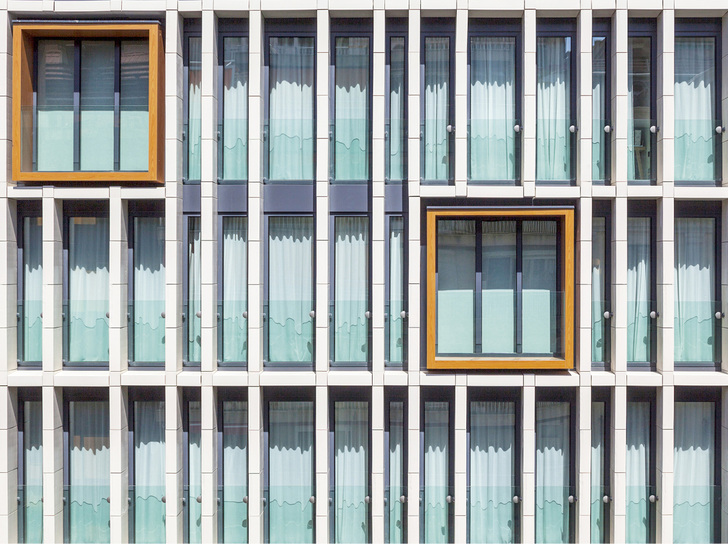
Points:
[(566, 263), (24, 45)]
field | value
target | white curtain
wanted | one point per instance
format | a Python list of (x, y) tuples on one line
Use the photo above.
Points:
[(290, 472), (149, 287), (351, 286), (56, 71), (599, 289), (397, 121), (194, 473), (600, 140), (542, 299), (235, 109), (194, 288), (455, 286), (396, 290), (638, 289), (290, 289), (33, 477), (351, 464), (235, 289), (291, 103), (492, 108), (88, 289), (397, 483), (89, 471), (437, 478), (552, 471), (695, 498), (437, 110), (599, 520), (638, 471), (553, 108), (491, 516), (97, 105), (499, 287), (134, 106), (695, 116), (149, 472), (32, 348), (194, 108), (694, 289), (351, 159), (235, 471)]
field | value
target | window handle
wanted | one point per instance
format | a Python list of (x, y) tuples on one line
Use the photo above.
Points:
[(654, 314), (450, 499), (517, 128), (312, 314), (654, 129), (367, 499), (199, 499), (312, 499), (607, 129), (367, 314), (198, 314), (245, 314), (450, 128), (572, 499), (245, 499), (403, 314), (573, 129), (719, 129), (606, 499), (163, 315), (107, 315), (402, 499), (164, 499), (719, 315), (654, 499), (108, 499), (608, 314), (516, 499)]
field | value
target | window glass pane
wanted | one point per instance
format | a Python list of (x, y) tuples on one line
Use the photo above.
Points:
[(290, 289), (695, 290), (395, 321), (493, 468), (235, 289), (599, 513), (33, 472), (695, 498), (235, 471), (695, 117), (436, 477), (351, 285), (88, 289), (55, 105), (290, 472), (600, 139), (32, 301), (149, 472), (553, 422), (541, 312), (194, 287), (639, 289), (397, 484), (134, 106), (194, 476), (291, 106), (149, 289), (455, 286), (435, 136), (97, 105), (492, 108), (235, 109), (194, 108), (351, 146), (600, 330), (396, 140), (553, 109), (638, 472), (351, 465), (89, 471), (499, 287), (639, 108)]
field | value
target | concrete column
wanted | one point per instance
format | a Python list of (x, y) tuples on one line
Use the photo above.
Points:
[(665, 455), (528, 168), (619, 286), (8, 287), (52, 461), (173, 463), (618, 460), (378, 454), (528, 460), (256, 477), (461, 103), (8, 465), (665, 229), (584, 111), (52, 284), (461, 460), (208, 457), (413, 464), (119, 462), (620, 68), (118, 282), (583, 459), (321, 449), (665, 82), (583, 287)]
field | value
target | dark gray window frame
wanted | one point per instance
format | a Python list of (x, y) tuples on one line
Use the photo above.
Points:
[(396, 28), (392, 395), (602, 28), (24, 394), (25, 209), (388, 286), (603, 209), (649, 394)]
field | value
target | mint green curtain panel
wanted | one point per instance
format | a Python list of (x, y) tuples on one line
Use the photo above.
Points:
[(553, 108), (435, 137), (600, 140), (290, 289), (492, 108), (194, 473), (638, 471), (134, 106), (149, 287), (235, 471), (695, 497), (553, 421), (541, 299), (55, 105), (351, 109), (491, 515), (351, 471), (638, 289), (234, 289), (194, 287), (33, 476), (599, 520), (194, 108), (88, 289), (291, 103), (290, 472), (695, 115), (89, 472), (97, 105), (396, 123), (695, 289), (351, 289), (395, 322), (397, 483), (235, 109), (32, 348), (639, 109), (455, 286), (149, 472), (499, 287), (437, 478), (599, 289)]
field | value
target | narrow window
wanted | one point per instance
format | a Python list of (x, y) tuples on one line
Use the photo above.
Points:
[(641, 124), (600, 470), (640, 479), (437, 494), (193, 474), (30, 287), (234, 327), (30, 478), (193, 130), (601, 102), (395, 133), (600, 286), (641, 314), (193, 313), (234, 471), (396, 480), (234, 134), (396, 314)]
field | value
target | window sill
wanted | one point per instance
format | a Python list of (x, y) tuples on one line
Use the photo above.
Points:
[(499, 363)]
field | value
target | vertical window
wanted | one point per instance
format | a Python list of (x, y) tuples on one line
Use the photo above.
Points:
[(234, 131), (396, 313), (395, 132), (193, 472), (351, 290), (291, 492), (133, 106), (30, 478), (641, 124), (234, 511), (600, 286), (641, 307), (30, 287), (193, 315), (193, 130), (396, 477), (601, 101), (436, 495), (290, 312), (493, 139), (640, 479), (233, 347), (147, 308), (600, 470)]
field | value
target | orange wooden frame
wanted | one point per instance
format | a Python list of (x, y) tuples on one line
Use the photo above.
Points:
[(24, 38), (566, 219)]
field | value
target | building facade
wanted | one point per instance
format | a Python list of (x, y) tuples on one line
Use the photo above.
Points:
[(343, 271)]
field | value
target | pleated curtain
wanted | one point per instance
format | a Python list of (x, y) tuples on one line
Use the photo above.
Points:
[(235, 109), (32, 348), (194, 288), (599, 520), (351, 472), (599, 289), (396, 290), (499, 287), (235, 472), (638, 472), (149, 472), (397, 100), (397, 483), (436, 139), (638, 289), (541, 298), (33, 476), (134, 106), (235, 289), (149, 287), (194, 108), (437, 478), (194, 473)]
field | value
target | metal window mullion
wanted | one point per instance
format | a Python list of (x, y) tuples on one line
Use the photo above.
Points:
[(77, 106), (478, 286), (117, 105), (519, 287)]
